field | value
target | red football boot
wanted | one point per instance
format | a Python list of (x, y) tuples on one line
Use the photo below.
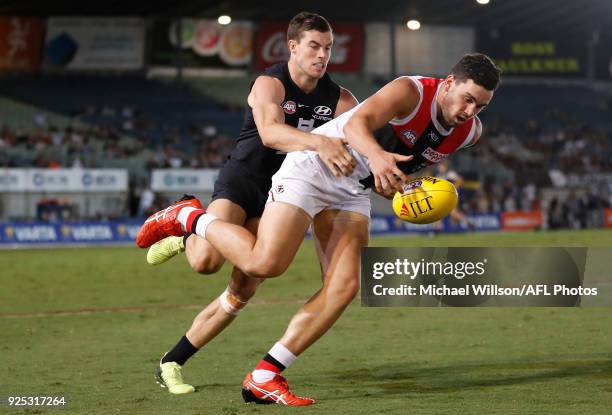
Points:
[(164, 223), (273, 391)]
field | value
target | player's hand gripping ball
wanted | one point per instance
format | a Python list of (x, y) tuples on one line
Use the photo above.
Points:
[(425, 200)]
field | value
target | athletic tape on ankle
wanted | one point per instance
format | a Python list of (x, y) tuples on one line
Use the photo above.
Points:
[(230, 303)]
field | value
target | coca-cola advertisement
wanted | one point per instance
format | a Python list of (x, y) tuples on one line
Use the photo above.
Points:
[(347, 52)]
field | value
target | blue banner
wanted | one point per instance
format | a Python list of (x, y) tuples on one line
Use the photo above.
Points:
[(40, 233), (125, 231), (381, 224)]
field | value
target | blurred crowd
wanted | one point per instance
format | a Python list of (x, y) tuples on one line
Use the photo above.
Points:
[(130, 141), (558, 140), (505, 172)]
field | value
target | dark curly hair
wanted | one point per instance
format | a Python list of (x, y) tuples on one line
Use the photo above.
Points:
[(479, 68)]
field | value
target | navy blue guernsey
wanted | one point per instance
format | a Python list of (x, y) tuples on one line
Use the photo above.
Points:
[(303, 111)]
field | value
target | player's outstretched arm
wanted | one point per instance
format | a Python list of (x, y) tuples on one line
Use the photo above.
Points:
[(397, 99), (265, 99)]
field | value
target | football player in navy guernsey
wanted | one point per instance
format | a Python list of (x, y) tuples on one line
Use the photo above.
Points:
[(284, 104), (411, 123)]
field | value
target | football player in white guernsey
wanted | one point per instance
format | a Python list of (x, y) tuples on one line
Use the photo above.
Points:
[(304, 188), (240, 194)]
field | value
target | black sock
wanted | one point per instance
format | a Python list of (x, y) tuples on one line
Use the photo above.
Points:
[(181, 352), (185, 237), (194, 224), (268, 358)]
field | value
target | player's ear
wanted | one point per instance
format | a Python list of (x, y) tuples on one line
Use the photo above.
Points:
[(292, 44), (450, 79)]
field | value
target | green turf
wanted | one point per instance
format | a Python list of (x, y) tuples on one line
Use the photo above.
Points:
[(393, 361)]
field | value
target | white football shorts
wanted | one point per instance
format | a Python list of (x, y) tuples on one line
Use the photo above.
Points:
[(305, 181)]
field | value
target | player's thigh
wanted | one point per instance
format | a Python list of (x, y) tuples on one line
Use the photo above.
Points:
[(200, 252), (339, 236), (242, 285), (281, 231)]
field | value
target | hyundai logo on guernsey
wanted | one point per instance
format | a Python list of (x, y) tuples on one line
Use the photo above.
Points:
[(322, 110), (289, 107), (322, 113), (433, 136)]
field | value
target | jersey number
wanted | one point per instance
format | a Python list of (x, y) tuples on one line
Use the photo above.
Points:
[(306, 125)]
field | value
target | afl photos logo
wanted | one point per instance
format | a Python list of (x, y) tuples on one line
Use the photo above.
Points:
[(289, 107)]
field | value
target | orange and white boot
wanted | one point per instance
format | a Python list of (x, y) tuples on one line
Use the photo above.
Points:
[(165, 222), (270, 392)]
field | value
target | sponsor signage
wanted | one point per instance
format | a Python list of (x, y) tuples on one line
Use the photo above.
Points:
[(381, 224), (63, 180), (347, 51), (95, 43), (183, 180), (202, 43), (521, 220), (37, 233), (13, 180), (21, 40), (433, 155), (532, 54)]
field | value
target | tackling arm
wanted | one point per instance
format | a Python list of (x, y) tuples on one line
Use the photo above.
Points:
[(396, 99), (266, 98)]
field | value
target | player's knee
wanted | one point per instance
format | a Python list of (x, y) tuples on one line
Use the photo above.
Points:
[(206, 264), (265, 268)]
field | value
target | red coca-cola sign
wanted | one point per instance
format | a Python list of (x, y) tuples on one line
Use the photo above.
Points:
[(347, 52)]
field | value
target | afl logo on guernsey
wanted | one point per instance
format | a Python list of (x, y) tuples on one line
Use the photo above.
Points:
[(289, 107), (410, 138)]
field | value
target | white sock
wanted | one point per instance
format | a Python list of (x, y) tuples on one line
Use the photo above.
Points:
[(203, 223), (183, 215), (261, 375), (282, 355)]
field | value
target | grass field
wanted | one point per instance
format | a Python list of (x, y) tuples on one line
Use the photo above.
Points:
[(92, 323)]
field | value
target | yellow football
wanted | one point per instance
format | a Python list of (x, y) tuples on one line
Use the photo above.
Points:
[(425, 200)]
